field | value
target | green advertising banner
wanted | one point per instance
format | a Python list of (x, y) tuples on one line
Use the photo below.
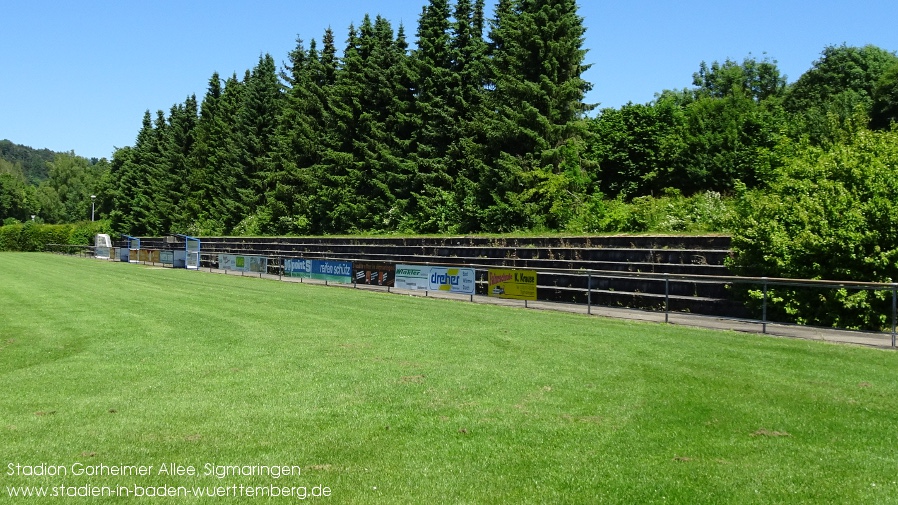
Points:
[(514, 284)]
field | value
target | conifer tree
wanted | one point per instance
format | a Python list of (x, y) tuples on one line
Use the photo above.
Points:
[(434, 117), (179, 143), (538, 92), (213, 198), (467, 99), (128, 177), (257, 124), (198, 193), (299, 143), (361, 165), (337, 172)]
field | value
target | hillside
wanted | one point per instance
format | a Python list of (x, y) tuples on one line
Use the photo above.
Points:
[(33, 161)]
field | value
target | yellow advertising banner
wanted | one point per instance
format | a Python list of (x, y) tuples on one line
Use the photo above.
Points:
[(147, 255), (515, 284)]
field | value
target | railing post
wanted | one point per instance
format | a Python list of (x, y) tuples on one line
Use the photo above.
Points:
[(589, 293), (666, 298), (894, 310), (764, 308)]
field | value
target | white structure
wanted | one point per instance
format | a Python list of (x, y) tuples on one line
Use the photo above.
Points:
[(103, 246)]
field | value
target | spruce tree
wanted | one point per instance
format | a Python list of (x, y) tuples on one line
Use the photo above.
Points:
[(129, 180), (299, 140), (337, 171), (213, 203), (467, 99), (536, 135), (199, 193), (257, 124), (363, 164), (179, 144), (434, 118)]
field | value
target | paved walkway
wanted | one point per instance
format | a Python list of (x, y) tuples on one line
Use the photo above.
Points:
[(870, 339)]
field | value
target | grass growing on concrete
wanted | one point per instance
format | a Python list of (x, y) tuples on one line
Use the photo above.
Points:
[(393, 399)]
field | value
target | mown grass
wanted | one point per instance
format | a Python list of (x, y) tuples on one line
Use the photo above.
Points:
[(394, 399)]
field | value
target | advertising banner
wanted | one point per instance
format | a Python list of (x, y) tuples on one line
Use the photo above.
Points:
[(376, 274), (413, 277), (192, 257), (149, 255), (428, 278), (514, 284), (295, 267), (240, 263), (332, 271), (227, 262), (453, 280)]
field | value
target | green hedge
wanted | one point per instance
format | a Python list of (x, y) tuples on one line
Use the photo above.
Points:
[(32, 236)]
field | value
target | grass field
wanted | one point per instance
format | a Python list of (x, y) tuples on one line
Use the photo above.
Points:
[(383, 398)]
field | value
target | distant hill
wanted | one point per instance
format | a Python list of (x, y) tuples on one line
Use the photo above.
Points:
[(33, 161)]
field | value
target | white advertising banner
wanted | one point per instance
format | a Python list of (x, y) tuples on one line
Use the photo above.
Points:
[(427, 278), (413, 277), (242, 263)]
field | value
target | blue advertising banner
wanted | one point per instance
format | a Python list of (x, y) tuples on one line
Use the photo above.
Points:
[(333, 271), (295, 267)]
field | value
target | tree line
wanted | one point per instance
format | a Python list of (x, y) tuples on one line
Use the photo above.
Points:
[(48, 187), (480, 127)]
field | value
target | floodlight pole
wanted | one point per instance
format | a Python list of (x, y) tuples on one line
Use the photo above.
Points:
[(93, 198)]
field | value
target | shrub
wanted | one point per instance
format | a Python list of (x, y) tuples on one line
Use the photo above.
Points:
[(671, 213), (828, 214)]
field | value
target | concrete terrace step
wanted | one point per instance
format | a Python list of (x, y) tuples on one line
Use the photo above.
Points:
[(615, 241), (674, 255), (578, 256)]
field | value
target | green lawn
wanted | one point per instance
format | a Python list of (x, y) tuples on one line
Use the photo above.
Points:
[(383, 398)]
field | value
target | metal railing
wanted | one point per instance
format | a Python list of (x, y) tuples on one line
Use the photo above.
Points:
[(73, 250)]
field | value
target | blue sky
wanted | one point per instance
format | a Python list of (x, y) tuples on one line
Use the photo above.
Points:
[(78, 75)]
